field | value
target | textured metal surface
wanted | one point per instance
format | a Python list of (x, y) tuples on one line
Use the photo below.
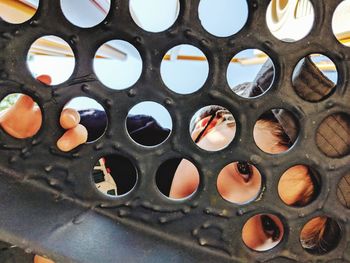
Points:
[(49, 203)]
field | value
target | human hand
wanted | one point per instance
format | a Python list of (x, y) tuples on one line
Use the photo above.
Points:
[(24, 119), (39, 259)]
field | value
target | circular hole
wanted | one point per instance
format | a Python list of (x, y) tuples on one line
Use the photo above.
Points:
[(320, 235), (283, 17), (114, 175), (184, 69), (333, 135), (154, 15), (343, 191), (118, 64), (250, 73), (20, 116), (341, 23), (239, 182), (262, 232), (85, 13), (17, 12), (51, 55), (223, 18), (276, 131), (177, 178), (314, 77), (149, 123), (299, 186), (92, 116), (212, 128)]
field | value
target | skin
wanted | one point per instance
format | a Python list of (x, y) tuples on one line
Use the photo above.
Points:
[(39, 259), (230, 183), (231, 186), (14, 124), (255, 237)]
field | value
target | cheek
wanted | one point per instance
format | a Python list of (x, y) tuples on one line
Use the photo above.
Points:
[(218, 138), (252, 233), (254, 237)]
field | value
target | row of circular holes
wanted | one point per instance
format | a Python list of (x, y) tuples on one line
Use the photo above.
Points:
[(250, 194), (237, 198), (249, 199), (214, 16), (251, 224), (180, 74), (215, 140), (229, 138), (243, 194)]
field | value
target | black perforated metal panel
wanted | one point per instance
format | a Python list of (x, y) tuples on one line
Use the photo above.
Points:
[(48, 200)]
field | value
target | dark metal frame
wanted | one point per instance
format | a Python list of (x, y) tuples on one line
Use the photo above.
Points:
[(48, 201)]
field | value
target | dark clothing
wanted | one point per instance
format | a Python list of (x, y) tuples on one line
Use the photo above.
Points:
[(142, 129), (308, 81)]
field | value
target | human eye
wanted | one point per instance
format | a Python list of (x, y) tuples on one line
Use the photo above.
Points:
[(270, 228), (245, 170)]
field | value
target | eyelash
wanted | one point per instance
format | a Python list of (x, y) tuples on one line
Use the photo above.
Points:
[(245, 170), (269, 227)]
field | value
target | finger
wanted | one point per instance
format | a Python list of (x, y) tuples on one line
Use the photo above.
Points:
[(69, 119), (46, 79), (39, 259), (72, 138), (24, 102)]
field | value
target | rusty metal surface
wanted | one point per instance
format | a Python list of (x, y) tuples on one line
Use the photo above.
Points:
[(49, 203)]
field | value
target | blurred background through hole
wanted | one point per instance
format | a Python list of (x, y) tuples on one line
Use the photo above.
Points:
[(154, 15), (51, 55), (114, 175), (84, 13), (290, 20), (343, 191), (315, 77), (333, 135), (223, 18), (118, 64), (149, 123), (341, 23), (184, 69), (250, 73), (17, 12)]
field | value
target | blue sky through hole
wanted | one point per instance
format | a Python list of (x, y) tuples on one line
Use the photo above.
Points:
[(233, 15)]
